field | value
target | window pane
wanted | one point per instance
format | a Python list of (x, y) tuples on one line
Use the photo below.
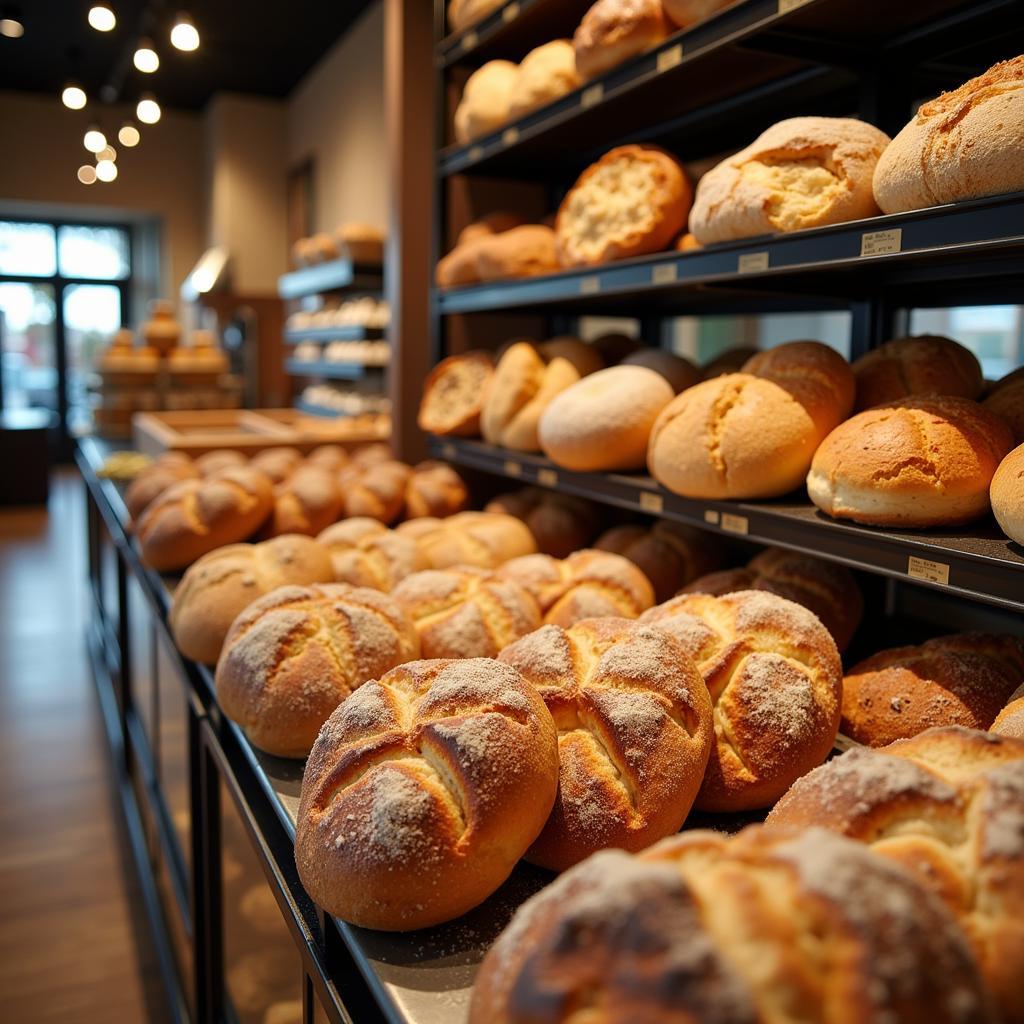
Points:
[(27, 249), (29, 360), (98, 252), (995, 334), (92, 312)]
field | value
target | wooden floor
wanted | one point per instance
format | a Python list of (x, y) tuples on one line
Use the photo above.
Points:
[(73, 943)]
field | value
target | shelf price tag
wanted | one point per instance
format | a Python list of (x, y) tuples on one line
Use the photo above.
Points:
[(448, 451), (670, 58), (475, 152), (510, 12), (711, 516), (664, 273), (879, 243), (753, 262), (513, 468), (469, 40), (785, 6), (590, 285), (927, 570), (510, 136), (547, 478), (735, 524), (593, 95), (651, 501)]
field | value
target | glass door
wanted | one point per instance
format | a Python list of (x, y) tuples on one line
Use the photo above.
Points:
[(92, 313), (29, 353)]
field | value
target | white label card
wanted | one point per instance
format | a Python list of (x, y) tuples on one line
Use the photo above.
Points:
[(670, 58), (510, 136), (753, 262), (711, 516), (469, 40), (590, 285), (879, 243), (734, 523), (513, 468), (448, 451), (927, 570), (665, 273), (547, 478), (475, 152), (652, 502), (589, 97), (510, 13)]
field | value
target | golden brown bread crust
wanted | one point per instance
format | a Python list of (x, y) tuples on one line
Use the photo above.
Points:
[(634, 734), (379, 491), (687, 13), (560, 523), (1007, 402), (306, 502), (222, 458), (769, 925), (732, 360), (217, 588), (546, 73), (453, 395), (459, 267), (776, 682), (365, 553), (463, 13), (679, 372), (613, 347), (526, 251), (422, 791), (152, 481), (435, 489), (612, 31), (295, 654), (330, 456), (482, 539), (370, 454), (948, 805), (490, 224), (1010, 721), (963, 679), (277, 463)]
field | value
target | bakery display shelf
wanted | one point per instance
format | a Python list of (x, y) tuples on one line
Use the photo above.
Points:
[(335, 275), (978, 240), (976, 562), (326, 368), (312, 409), (344, 332)]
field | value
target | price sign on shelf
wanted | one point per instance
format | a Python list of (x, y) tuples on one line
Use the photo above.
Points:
[(664, 273), (651, 501), (752, 262), (711, 516), (592, 96), (880, 243), (510, 136), (590, 285), (927, 570), (735, 524), (547, 478), (469, 40), (448, 451), (670, 58), (510, 13), (475, 152), (513, 468)]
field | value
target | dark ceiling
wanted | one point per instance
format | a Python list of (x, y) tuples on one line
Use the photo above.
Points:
[(253, 46)]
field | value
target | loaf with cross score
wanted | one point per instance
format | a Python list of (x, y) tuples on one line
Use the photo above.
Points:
[(365, 553), (422, 791), (634, 734)]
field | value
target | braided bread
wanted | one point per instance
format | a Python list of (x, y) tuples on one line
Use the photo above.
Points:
[(365, 553)]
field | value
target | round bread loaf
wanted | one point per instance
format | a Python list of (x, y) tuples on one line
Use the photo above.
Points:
[(827, 589), (949, 806), (919, 462), (489, 224), (484, 106), (922, 365), (679, 372), (463, 13), (197, 515), (466, 612), (612, 31), (370, 454), (776, 683), (1007, 402), (768, 925), (1010, 721), (804, 172), (587, 585), (294, 655), (453, 395), (435, 489), (545, 74), (632, 201), (1007, 495), (614, 348), (963, 144), (156, 478), (306, 502), (371, 556), (277, 463), (560, 523), (483, 539), (732, 360), (330, 456), (525, 251), (221, 458), (422, 792), (964, 679), (603, 421), (687, 13), (217, 588), (379, 491), (634, 733), (458, 268)]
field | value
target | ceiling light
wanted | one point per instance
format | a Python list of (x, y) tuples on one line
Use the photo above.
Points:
[(101, 17), (148, 110), (106, 170), (184, 35), (107, 153), (73, 96), (128, 135), (11, 27), (87, 174), (94, 139), (146, 59)]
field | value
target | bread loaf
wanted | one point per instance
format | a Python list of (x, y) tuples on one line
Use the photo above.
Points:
[(1010, 721), (379, 491), (218, 587), (221, 458), (423, 791), (329, 456), (776, 683), (156, 478), (277, 463), (804, 172), (454, 393), (481, 539), (732, 360), (612, 31), (306, 502), (484, 106), (634, 733), (1007, 495), (919, 462), (435, 489), (370, 454), (963, 144), (769, 925), (1007, 402), (687, 13), (679, 372), (948, 805), (545, 74), (459, 267), (463, 13), (963, 679), (365, 553), (526, 251), (490, 224), (361, 243), (560, 523), (614, 348), (294, 655)]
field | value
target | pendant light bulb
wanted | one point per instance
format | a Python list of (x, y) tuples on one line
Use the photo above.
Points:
[(106, 170), (87, 174), (148, 110), (94, 140), (128, 135), (101, 17), (107, 153), (73, 97), (184, 34), (146, 58)]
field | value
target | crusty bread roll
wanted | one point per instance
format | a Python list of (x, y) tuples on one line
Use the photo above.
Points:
[(306, 502), (1007, 495), (221, 458), (483, 539), (485, 100), (157, 477), (732, 360), (963, 144), (964, 679), (588, 584), (1010, 721), (612, 31), (459, 267), (453, 395), (687, 13), (545, 74), (361, 243), (776, 682), (277, 463), (668, 554), (379, 491), (769, 925), (632, 201), (1007, 402), (827, 589), (526, 251), (463, 13), (330, 456), (634, 734), (294, 655), (466, 612), (679, 372), (435, 489), (218, 587), (365, 553), (490, 224), (804, 172), (603, 421), (947, 805), (919, 462), (423, 791), (613, 347), (196, 516), (923, 365), (370, 454), (560, 523)]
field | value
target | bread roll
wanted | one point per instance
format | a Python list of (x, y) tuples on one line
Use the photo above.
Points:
[(485, 100), (277, 463), (221, 458), (371, 454), (196, 516), (924, 365), (435, 489), (964, 679), (948, 806), (294, 655), (1010, 721), (526, 380), (587, 585), (152, 481), (963, 144), (632, 201), (687, 13), (526, 251), (379, 492), (613, 348), (612, 31), (463, 13), (1007, 495), (804, 172), (679, 372), (490, 224), (1007, 402), (361, 243), (776, 682), (769, 925), (482, 539), (918, 462), (466, 612), (330, 456), (306, 502), (454, 393), (732, 360), (560, 523), (423, 791), (365, 553), (218, 587), (545, 74)]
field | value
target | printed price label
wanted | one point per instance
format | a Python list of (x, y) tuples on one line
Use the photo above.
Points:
[(590, 285), (591, 96), (513, 468), (665, 273), (753, 262), (547, 478), (475, 152), (785, 6), (878, 243), (711, 516), (734, 523), (510, 136), (469, 40), (652, 502), (448, 451), (510, 13), (670, 58), (927, 570)]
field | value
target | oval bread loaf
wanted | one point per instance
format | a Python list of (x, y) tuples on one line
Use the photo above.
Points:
[(453, 395), (612, 31), (1007, 495)]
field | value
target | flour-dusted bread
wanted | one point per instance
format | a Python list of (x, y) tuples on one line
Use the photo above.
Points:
[(277, 463), (485, 100), (306, 502), (365, 553), (453, 395), (156, 478), (545, 74), (804, 172), (220, 458), (632, 201), (612, 31), (379, 491), (1007, 495), (435, 490), (483, 539)]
